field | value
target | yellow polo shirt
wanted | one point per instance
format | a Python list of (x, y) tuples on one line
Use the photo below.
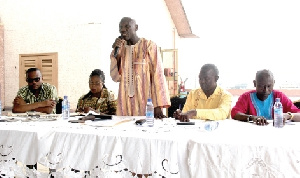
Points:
[(216, 107)]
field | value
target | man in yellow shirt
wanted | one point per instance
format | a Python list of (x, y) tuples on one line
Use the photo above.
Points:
[(209, 102)]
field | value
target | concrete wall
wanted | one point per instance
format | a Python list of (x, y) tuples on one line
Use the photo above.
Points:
[(82, 32), (2, 79)]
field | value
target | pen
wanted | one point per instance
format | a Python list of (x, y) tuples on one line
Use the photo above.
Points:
[(179, 107)]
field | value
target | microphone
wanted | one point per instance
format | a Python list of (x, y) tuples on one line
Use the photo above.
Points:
[(117, 48)]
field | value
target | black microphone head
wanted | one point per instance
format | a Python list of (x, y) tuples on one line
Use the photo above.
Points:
[(116, 52)]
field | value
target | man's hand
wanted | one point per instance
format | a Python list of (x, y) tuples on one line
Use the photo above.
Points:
[(119, 43), (177, 113), (20, 106), (184, 117), (50, 103), (19, 101), (158, 113), (260, 120)]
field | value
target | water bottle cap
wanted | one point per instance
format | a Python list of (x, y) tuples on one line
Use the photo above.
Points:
[(149, 100), (65, 97), (277, 99)]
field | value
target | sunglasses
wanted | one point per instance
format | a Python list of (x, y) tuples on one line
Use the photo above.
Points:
[(30, 80)]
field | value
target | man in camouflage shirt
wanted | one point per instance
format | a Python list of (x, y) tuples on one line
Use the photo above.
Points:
[(36, 96)]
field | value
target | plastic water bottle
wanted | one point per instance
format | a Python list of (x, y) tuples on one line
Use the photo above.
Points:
[(278, 114), (65, 108), (211, 125), (149, 113)]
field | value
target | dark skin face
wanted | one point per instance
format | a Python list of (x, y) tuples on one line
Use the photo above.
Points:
[(264, 86), (208, 81), (34, 80), (127, 29), (95, 85)]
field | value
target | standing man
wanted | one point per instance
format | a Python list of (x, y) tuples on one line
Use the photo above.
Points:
[(136, 64), (209, 102), (36, 96)]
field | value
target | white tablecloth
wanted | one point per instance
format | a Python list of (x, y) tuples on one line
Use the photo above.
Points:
[(238, 149), (234, 149)]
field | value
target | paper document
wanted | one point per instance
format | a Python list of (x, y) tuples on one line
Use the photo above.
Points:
[(106, 123)]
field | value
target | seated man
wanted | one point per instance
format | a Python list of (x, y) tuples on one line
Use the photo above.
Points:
[(36, 96), (210, 102), (257, 105)]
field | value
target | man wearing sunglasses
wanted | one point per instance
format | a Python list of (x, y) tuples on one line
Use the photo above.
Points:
[(36, 96)]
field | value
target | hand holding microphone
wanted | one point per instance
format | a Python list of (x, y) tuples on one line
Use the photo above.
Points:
[(117, 44)]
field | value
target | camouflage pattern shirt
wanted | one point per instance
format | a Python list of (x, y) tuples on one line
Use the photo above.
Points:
[(105, 104)]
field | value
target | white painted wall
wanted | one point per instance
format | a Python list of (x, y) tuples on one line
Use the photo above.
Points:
[(81, 31)]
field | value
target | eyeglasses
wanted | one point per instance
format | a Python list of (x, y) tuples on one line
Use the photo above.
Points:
[(96, 83), (30, 80)]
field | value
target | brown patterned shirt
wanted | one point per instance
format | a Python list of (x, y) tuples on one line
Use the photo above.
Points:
[(47, 92), (105, 104)]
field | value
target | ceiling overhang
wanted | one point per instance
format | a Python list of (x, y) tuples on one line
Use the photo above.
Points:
[(179, 18)]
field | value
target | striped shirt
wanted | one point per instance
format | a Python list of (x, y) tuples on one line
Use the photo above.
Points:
[(47, 92), (140, 77)]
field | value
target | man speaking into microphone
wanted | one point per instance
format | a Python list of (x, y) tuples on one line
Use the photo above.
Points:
[(137, 65)]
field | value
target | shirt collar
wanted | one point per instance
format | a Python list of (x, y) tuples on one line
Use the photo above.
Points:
[(42, 88), (216, 93)]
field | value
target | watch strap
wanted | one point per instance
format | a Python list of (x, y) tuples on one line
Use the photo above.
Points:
[(248, 118), (291, 114)]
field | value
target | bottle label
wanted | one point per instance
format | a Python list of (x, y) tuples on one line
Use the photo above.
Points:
[(149, 114), (278, 118), (278, 112)]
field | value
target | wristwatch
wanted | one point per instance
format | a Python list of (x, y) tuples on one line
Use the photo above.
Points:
[(290, 114), (248, 118)]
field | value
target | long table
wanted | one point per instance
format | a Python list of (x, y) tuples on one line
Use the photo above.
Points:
[(234, 149)]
